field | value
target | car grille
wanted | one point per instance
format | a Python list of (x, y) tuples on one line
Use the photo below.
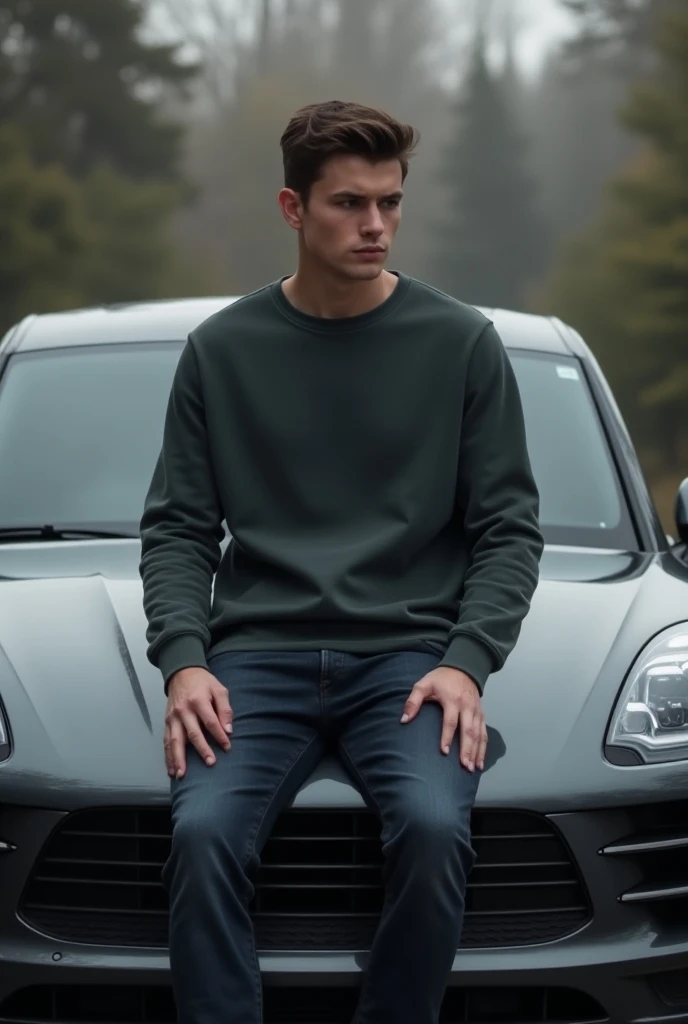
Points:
[(652, 853), (128, 1004), (319, 885)]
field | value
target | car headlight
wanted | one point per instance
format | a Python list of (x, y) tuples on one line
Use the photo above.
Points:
[(651, 715)]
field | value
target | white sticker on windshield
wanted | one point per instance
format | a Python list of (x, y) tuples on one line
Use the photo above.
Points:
[(568, 372)]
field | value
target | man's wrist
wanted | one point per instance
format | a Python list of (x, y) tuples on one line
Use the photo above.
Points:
[(185, 650), (470, 656), (463, 675), (179, 675)]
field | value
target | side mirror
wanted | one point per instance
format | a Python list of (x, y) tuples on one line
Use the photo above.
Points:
[(681, 511)]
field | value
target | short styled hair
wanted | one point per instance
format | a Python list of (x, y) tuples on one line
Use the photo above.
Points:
[(320, 131)]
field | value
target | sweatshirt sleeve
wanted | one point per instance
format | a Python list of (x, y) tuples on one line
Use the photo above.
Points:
[(498, 502), (181, 531)]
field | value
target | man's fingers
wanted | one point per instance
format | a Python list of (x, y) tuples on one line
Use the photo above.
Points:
[(468, 745), (210, 719), (414, 702), (196, 737), (482, 748), (169, 765), (449, 723), (177, 748), (223, 708)]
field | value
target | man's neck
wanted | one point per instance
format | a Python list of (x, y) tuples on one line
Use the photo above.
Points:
[(316, 295)]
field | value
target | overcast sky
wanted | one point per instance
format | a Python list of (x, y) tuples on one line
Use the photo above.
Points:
[(541, 24), (545, 23)]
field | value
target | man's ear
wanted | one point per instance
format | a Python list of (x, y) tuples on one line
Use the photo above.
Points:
[(291, 207)]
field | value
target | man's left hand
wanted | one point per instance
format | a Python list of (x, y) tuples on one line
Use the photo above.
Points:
[(460, 700)]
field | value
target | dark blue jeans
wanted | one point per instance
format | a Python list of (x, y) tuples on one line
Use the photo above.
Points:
[(287, 706)]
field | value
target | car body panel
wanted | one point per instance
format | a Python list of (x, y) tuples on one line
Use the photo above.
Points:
[(79, 606), (170, 320)]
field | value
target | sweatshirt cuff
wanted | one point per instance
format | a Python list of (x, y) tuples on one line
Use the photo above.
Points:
[(471, 656), (186, 650)]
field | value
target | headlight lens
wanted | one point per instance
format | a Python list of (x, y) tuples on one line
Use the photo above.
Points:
[(651, 715)]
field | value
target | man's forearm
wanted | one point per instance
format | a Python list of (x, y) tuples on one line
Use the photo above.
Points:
[(498, 504), (181, 531)]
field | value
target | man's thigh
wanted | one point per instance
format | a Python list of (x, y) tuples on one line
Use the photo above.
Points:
[(276, 743), (400, 768)]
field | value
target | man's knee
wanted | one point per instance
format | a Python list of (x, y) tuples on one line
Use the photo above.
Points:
[(205, 834), (435, 833)]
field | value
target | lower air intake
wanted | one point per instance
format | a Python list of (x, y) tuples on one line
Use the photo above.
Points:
[(319, 886)]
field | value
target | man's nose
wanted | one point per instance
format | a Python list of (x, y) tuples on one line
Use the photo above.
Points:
[(373, 222)]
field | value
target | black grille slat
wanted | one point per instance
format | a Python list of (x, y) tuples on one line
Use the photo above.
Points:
[(56, 880), (319, 885), (66, 909), (651, 846), (107, 863), (131, 1004), (518, 885), (81, 834)]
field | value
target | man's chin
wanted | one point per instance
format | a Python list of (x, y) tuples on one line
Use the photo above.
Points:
[(365, 272)]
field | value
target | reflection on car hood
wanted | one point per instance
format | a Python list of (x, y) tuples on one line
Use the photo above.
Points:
[(86, 708)]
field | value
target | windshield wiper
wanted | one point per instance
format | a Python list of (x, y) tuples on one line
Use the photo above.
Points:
[(62, 532)]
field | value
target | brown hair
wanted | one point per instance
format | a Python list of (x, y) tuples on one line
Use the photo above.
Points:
[(322, 130)]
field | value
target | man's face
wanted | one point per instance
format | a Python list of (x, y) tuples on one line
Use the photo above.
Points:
[(352, 216)]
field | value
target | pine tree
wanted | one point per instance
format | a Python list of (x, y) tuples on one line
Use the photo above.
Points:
[(84, 87), (619, 32), (44, 234), (69, 243), (492, 241), (355, 39), (654, 257), (626, 283)]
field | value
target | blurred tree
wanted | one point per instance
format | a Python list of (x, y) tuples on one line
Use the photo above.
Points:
[(43, 233), (76, 75), (620, 32), (266, 34), (67, 243), (381, 50), (578, 143), (233, 146), (492, 242), (211, 29), (356, 40), (236, 40), (130, 255), (626, 282), (237, 159)]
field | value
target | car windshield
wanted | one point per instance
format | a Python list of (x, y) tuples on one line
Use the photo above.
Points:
[(81, 428), (581, 501)]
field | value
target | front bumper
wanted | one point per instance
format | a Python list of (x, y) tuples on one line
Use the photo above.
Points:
[(629, 963), (621, 977)]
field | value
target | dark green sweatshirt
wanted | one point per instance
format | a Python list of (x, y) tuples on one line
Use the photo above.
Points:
[(373, 475)]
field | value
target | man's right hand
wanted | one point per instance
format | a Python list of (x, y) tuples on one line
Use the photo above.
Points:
[(196, 701)]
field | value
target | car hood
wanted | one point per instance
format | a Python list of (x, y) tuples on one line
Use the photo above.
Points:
[(86, 708)]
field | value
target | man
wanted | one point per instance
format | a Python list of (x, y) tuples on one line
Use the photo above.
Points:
[(362, 435)]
